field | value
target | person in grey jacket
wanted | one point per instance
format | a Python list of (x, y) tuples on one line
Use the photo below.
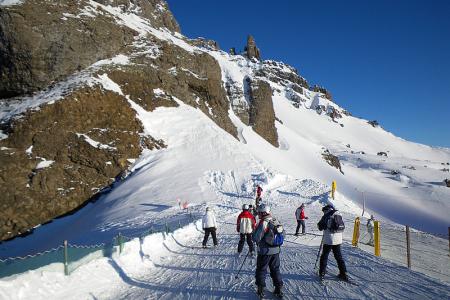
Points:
[(370, 227), (268, 255), (331, 242)]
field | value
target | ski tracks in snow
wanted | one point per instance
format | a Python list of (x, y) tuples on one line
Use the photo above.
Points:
[(189, 272)]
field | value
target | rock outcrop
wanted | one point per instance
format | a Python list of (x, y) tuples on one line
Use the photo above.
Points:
[(45, 41), (56, 158), (261, 114), (252, 50), (332, 160), (320, 89)]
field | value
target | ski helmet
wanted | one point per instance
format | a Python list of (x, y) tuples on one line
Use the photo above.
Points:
[(245, 207), (264, 209)]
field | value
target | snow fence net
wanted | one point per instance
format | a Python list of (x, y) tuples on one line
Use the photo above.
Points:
[(78, 255), (52, 259), (429, 253)]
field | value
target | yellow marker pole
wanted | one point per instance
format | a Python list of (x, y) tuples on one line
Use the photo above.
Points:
[(333, 189), (356, 232), (377, 238)]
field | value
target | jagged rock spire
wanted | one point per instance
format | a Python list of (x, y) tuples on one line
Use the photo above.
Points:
[(252, 50)]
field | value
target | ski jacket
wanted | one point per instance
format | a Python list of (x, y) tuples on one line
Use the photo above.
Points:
[(245, 222), (209, 220), (370, 225), (329, 238), (259, 233), (300, 214)]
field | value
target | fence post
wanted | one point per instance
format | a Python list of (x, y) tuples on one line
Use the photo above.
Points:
[(408, 248), (119, 240), (356, 233), (333, 188), (377, 247), (448, 241), (167, 228), (66, 259), (179, 224)]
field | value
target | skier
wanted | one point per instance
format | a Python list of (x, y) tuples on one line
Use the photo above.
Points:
[(370, 227), (332, 225), (258, 195), (209, 224), (245, 225), (300, 217), (267, 236)]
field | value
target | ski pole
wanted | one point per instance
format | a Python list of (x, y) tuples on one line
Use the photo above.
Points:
[(318, 253), (237, 275)]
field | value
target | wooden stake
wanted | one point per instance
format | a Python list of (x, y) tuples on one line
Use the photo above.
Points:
[(408, 247)]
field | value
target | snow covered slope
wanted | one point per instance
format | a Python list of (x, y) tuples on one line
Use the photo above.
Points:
[(203, 164), (174, 266)]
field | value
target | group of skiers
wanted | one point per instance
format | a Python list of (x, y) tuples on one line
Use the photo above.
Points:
[(268, 234)]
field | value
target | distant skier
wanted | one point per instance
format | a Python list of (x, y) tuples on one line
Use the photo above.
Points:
[(209, 225), (245, 225), (370, 227), (268, 235), (300, 217), (332, 225), (258, 195)]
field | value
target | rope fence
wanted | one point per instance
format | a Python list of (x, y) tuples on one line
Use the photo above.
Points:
[(68, 257)]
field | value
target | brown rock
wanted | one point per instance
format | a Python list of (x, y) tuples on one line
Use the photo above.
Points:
[(252, 50)]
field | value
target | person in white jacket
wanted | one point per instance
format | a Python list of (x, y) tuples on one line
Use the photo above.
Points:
[(209, 225), (332, 240)]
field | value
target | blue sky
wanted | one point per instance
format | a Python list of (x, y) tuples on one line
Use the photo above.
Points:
[(383, 60)]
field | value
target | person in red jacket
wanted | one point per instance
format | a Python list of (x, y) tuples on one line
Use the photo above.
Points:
[(258, 191), (245, 225), (300, 217)]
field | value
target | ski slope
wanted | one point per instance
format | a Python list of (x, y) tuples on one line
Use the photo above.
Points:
[(174, 266), (204, 165)]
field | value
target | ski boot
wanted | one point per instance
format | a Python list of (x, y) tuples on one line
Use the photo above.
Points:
[(260, 291), (278, 292), (343, 277)]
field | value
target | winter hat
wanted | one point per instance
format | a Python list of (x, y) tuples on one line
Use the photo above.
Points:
[(245, 207), (327, 207), (303, 205)]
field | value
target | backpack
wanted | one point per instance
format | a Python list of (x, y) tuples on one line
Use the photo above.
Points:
[(336, 224), (274, 237)]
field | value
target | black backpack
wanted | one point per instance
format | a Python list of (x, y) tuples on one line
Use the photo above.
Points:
[(336, 224)]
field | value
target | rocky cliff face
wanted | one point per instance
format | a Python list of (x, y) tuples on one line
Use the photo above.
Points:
[(45, 41), (81, 137), (74, 75)]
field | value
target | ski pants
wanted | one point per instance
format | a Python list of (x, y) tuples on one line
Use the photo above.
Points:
[(337, 255), (212, 231), (371, 237), (273, 262), (300, 223), (242, 241)]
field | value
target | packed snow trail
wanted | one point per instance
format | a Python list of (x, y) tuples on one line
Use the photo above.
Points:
[(189, 272), (174, 266)]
